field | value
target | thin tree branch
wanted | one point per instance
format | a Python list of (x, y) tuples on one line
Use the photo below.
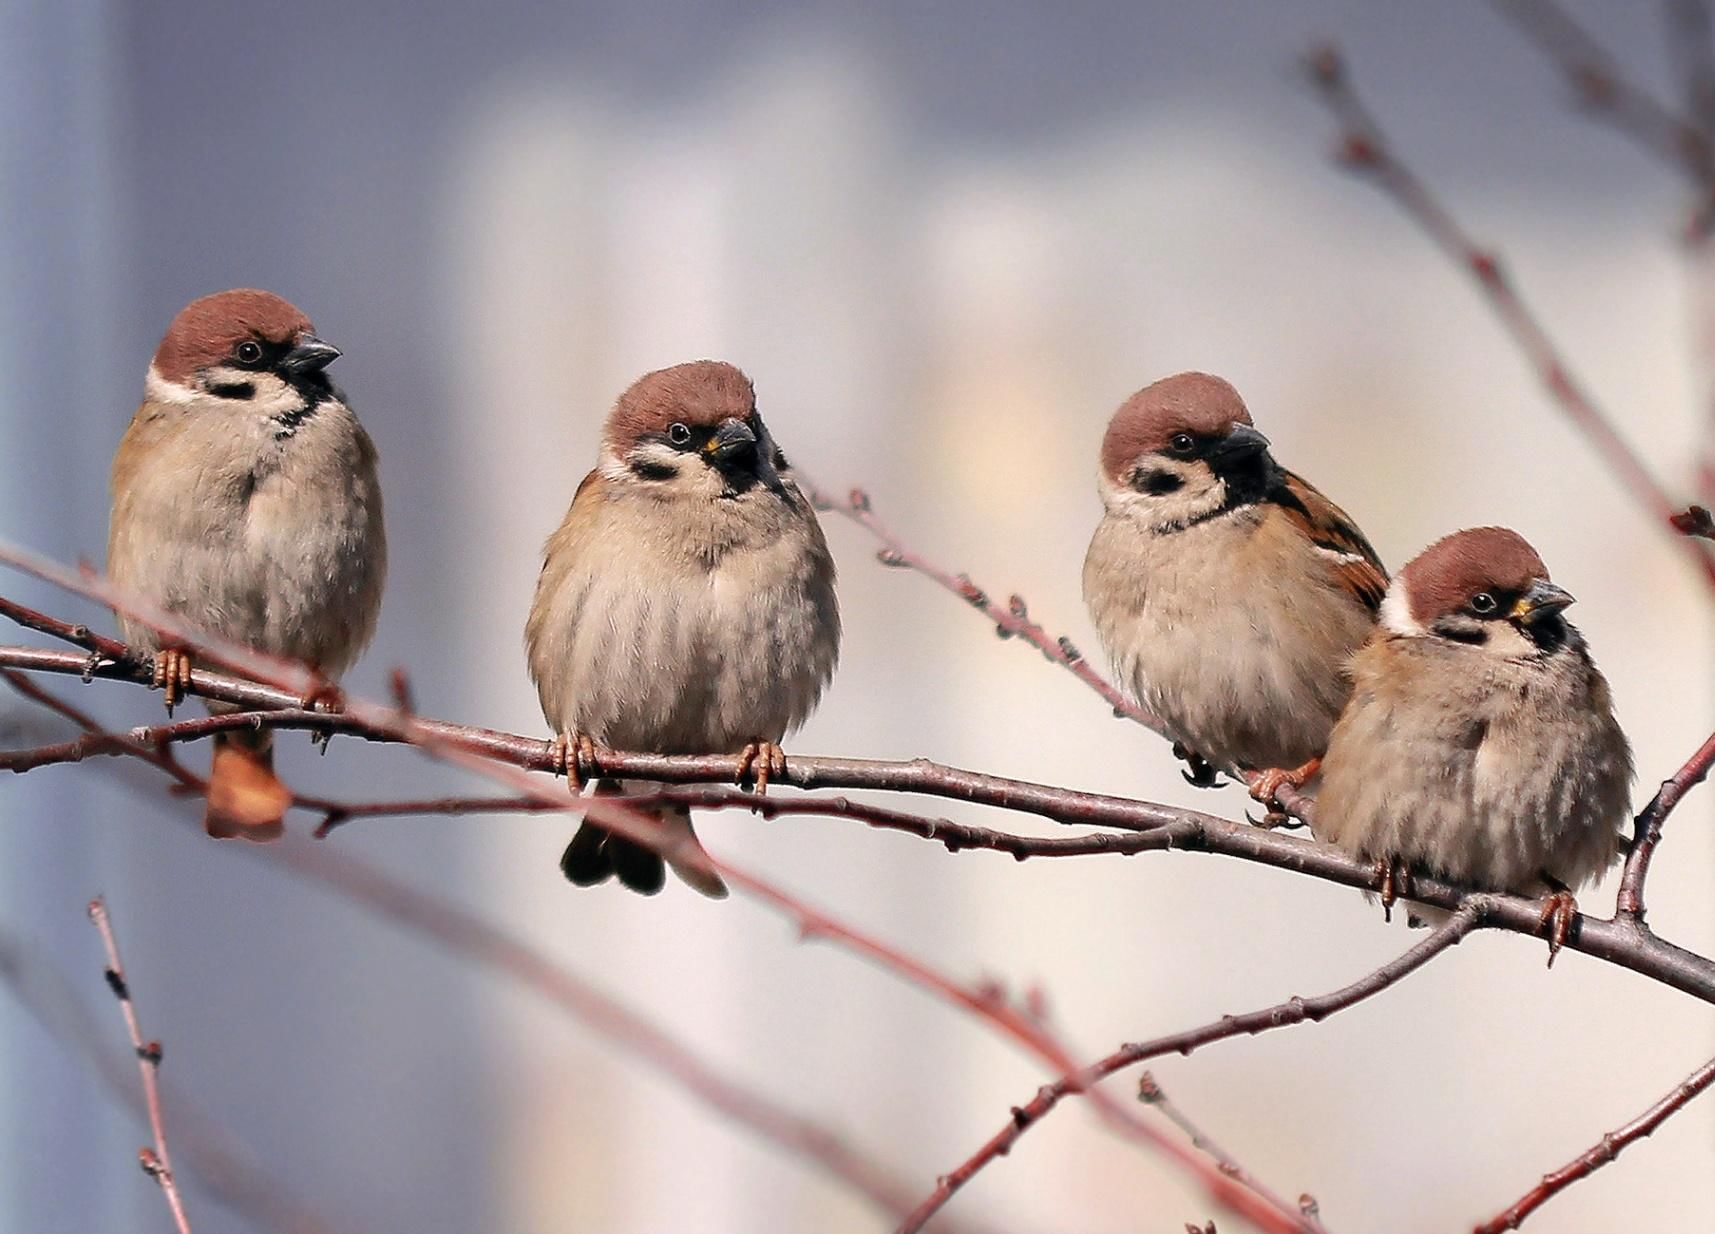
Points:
[(205, 1150), (397, 725), (476, 940), (157, 1161), (1150, 1092), (1602, 1152), (479, 941), (1014, 621), (1647, 829), (1607, 93), (1159, 827), (1294, 1010), (1364, 148)]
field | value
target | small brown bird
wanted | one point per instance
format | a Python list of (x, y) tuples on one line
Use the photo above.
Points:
[(1227, 591), (245, 500), (1480, 745), (685, 606)]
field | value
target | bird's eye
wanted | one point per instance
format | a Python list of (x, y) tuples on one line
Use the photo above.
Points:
[(1182, 443), (679, 434), (1483, 603), (248, 352)]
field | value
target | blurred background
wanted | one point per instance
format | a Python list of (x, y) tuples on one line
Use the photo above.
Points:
[(946, 241)]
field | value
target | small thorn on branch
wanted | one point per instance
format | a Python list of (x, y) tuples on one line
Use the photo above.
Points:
[(892, 558), (859, 501)]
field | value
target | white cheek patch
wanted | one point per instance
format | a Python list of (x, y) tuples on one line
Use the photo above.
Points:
[(1396, 615), (159, 390)]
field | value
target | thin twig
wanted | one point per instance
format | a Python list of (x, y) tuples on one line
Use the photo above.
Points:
[(1150, 1092), (474, 939), (204, 1149), (1159, 827), (157, 1162), (1014, 621), (1364, 148), (396, 724), (1607, 93), (1647, 829), (1294, 1010), (1602, 1152)]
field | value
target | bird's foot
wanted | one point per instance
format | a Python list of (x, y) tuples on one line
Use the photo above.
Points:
[(172, 675), (1199, 771), (1270, 781), (1393, 880), (323, 695), (1559, 914), (760, 761), (572, 755)]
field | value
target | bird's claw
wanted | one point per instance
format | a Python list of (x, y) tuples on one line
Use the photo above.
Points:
[(761, 761), (172, 675), (1393, 880), (1199, 771), (571, 755), (1559, 914)]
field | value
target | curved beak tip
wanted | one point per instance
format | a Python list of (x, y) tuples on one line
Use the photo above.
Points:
[(310, 354), (1541, 599), (1243, 440), (731, 440)]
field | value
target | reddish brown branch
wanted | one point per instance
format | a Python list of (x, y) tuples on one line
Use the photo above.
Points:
[(1150, 1092), (1364, 148), (394, 724), (483, 943), (1647, 829), (1294, 1010), (477, 940), (1602, 1152), (1014, 621), (1608, 94), (1159, 827), (156, 1161)]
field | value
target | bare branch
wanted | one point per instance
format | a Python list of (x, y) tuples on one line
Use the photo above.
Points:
[(481, 942), (1647, 829), (1159, 827), (1014, 621), (1150, 1092), (1608, 94), (1602, 1152), (394, 724), (157, 1162), (1294, 1010), (1364, 149)]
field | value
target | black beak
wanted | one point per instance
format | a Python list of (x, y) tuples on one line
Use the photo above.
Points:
[(311, 355), (1241, 443), (1542, 599), (733, 442)]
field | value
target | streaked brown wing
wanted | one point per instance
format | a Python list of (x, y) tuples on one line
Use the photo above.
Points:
[(1331, 530)]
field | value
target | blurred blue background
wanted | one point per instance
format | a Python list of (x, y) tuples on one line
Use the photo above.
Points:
[(946, 241)]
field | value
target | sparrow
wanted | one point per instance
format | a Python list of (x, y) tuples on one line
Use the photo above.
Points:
[(685, 606), (1227, 591), (1480, 744), (245, 500)]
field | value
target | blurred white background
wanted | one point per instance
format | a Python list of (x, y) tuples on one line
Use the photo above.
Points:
[(946, 242)]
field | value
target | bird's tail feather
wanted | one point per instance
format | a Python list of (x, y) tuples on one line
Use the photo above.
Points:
[(595, 853), (245, 798)]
